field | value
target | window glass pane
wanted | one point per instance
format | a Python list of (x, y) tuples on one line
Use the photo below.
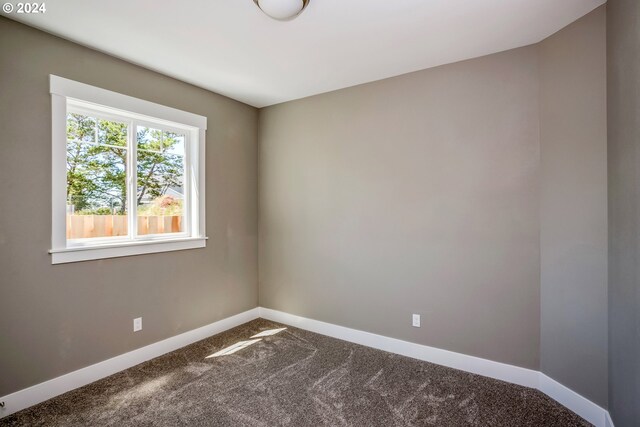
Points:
[(112, 133), (173, 143), (160, 194), (96, 181), (81, 128), (149, 139)]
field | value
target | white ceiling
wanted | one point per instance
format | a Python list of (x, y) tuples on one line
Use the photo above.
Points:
[(232, 48)]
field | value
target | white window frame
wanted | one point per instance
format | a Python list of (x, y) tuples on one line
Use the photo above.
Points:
[(82, 97)]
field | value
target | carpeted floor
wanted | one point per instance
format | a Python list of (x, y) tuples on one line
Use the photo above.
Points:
[(295, 378)]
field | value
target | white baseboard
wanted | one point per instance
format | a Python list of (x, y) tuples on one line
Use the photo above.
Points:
[(40, 392), (574, 401), (526, 377), (476, 365), (501, 371)]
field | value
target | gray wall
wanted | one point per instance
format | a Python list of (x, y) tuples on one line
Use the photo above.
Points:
[(415, 194), (55, 319), (573, 207), (623, 89)]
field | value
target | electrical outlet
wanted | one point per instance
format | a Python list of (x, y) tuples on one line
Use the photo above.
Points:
[(137, 324), (416, 321)]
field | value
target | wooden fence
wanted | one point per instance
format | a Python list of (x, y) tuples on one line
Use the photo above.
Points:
[(83, 226)]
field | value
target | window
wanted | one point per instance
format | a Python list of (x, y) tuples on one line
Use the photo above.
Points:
[(128, 175)]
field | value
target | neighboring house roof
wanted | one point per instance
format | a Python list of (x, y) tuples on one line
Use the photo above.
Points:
[(175, 192)]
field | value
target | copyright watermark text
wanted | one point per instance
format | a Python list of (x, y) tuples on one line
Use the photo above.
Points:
[(24, 8)]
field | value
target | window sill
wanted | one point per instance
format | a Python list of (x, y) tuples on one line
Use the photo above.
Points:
[(87, 253)]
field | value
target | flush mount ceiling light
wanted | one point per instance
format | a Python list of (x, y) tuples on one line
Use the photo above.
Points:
[(282, 10)]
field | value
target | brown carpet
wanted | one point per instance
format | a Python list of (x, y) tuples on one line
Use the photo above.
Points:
[(294, 378)]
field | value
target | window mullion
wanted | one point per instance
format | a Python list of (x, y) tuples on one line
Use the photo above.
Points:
[(132, 180), (187, 201)]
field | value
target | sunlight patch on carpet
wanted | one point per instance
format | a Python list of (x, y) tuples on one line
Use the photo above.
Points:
[(268, 332), (233, 348)]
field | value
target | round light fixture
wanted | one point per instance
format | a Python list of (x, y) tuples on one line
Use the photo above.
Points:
[(282, 10)]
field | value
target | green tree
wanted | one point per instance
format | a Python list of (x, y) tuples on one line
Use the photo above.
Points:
[(159, 167)]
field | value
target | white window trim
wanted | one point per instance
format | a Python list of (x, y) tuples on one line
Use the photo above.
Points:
[(61, 90)]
